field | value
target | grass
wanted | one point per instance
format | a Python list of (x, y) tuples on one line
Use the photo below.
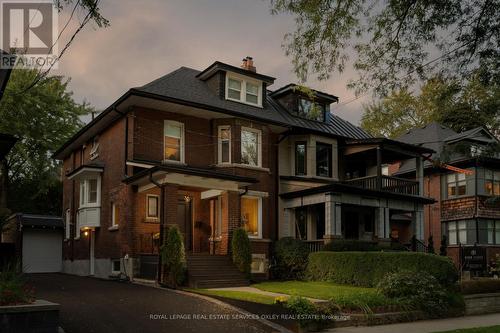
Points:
[(489, 329), (345, 296), (238, 295)]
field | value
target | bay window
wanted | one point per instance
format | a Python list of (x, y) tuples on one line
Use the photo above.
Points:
[(244, 90), (251, 140), (90, 192), (173, 141), (251, 215), (301, 158), (461, 232), (323, 159), (492, 182), (224, 146), (456, 184), (489, 231)]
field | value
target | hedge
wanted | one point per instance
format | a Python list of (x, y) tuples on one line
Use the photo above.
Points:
[(368, 268)]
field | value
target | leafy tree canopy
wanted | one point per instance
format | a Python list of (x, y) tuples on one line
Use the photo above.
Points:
[(459, 106), (43, 118), (395, 43)]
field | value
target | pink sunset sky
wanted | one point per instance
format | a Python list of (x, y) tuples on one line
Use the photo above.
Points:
[(150, 38)]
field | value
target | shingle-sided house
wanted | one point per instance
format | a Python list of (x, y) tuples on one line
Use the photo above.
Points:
[(214, 150), (465, 185)]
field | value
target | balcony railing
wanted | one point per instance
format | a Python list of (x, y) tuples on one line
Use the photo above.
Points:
[(386, 183), (315, 245)]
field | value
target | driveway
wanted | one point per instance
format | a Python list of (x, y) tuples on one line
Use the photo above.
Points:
[(91, 305)]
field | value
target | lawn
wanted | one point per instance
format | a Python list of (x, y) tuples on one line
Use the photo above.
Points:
[(345, 296), (490, 329), (239, 295)]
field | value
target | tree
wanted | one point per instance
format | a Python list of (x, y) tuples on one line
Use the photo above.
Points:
[(173, 258), (459, 106), (396, 42), (43, 118)]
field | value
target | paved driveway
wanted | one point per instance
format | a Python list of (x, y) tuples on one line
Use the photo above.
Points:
[(90, 305)]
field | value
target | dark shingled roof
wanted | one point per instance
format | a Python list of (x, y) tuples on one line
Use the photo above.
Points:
[(39, 221), (183, 84)]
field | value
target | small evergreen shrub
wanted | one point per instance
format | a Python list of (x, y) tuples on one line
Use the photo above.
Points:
[(290, 258), (174, 258), (419, 289), (241, 251), (310, 317), (367, 269)]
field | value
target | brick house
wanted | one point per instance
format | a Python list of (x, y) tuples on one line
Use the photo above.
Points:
[(214, 150), (465, 210)]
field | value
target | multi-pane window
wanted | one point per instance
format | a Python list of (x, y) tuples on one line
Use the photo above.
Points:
[(310, 110), (492, 182), (224, 144), (456, 184), (89, 192), (489, 231), (461, 232), (243, 90), (174, 140), (250, 147), (251, 215), (301, 158), (323, 159), (92, 191), (152, 209)]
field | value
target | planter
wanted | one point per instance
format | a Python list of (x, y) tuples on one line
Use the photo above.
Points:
[(482, 303), (38, 317)]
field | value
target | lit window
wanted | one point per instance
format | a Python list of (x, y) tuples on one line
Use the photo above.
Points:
[(456, 184), (323, 160), (250, 147), (244, 90), (115, 214), (300, 158), (224, 144), (492, 182), (251, 215), (174, 141), (152, 209)]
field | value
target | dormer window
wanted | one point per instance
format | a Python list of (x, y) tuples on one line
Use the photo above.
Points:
[(244, 90), (311, 110)]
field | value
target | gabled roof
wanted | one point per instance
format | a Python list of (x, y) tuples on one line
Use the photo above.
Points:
[(478, 134), (220, 66), (291, 87)]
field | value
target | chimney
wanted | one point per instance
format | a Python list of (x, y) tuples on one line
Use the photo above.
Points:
[(248, 64)]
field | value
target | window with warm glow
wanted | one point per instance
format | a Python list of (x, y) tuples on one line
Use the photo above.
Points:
[(115, 213), (457, 184), (174, 140), (492, 182), (251, 215), (224, 144), (152, 209)]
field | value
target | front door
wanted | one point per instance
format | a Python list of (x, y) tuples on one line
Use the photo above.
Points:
[(184, 221)]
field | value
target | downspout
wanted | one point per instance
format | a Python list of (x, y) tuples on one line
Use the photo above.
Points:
[(162, 221)]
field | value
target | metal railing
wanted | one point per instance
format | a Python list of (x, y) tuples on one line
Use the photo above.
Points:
[(386, 183), (315, 245)]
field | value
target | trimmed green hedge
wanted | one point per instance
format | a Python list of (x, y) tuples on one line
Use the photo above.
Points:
[(368, 268)]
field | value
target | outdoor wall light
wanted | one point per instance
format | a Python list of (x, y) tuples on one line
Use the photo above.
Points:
[(86, 233), (187, 198)]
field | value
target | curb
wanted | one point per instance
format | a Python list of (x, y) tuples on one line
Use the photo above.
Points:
[(266, 322)]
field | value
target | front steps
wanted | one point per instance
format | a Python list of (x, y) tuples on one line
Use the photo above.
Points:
[(213, 271)]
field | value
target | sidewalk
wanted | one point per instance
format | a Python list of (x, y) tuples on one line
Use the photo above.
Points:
[(426, 326)]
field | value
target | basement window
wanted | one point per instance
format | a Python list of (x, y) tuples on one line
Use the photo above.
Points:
[(115, 266)]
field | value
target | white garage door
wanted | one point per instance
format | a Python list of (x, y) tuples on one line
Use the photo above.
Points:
[(42, 251)]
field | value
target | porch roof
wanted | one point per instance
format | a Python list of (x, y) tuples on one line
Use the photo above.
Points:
[(397, 148), (337, 187), (162, 171)]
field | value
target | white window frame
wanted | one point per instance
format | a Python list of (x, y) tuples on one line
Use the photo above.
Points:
[(67, 224), (153, 218), (259, 145), (219, 146), (243, 91), (182, 144), (259, 215), (85, 191)]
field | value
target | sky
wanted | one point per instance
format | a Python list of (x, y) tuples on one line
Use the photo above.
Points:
[(150, 38)]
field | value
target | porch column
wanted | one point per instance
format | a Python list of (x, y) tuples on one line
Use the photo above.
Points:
[(418, 224), (231, 219), (382, 221), (287, 228), (379, 168), (420, 174), (333, 218)]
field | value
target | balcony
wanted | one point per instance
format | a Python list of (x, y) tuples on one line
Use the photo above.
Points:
[(89, 217), (386, 183)]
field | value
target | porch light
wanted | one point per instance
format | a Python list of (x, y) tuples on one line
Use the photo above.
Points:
[(187, 198), (86, 232)]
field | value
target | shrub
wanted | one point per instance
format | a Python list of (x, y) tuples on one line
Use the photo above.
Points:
[(351, 245), (430, 245), (368, 268), (442, 247), (419, 289), (308, 315), (174, 257), (241, 250), (290, 258), (480, 286), (13, 288)]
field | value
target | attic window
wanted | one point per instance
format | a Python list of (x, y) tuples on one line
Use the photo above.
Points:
[(243, 90), (310, 110)]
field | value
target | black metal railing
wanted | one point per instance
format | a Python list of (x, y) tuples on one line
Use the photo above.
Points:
[(315, 245), (386, 183)]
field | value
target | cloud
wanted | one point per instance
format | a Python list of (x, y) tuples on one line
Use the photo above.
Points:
[(150, 39)]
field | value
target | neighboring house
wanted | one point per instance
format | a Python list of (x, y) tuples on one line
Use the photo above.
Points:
[(465, 210), (214, 150)]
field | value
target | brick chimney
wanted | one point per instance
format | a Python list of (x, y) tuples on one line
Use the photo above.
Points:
[(248, 64)]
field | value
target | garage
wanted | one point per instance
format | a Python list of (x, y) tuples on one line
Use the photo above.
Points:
[(39, 239)]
